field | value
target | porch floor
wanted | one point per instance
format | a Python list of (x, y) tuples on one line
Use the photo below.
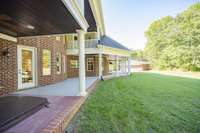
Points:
[(63, 105), (46, 119), (69, 87)]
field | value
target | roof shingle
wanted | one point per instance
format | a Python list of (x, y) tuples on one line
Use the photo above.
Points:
[(107, 41)]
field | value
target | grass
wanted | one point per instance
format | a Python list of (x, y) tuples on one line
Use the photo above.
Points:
[(142, 103)]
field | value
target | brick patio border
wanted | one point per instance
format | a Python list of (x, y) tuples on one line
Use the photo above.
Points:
[(59, 124)]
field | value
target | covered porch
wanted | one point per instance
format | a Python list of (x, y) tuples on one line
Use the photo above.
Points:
[(31, 19), (69, 87)]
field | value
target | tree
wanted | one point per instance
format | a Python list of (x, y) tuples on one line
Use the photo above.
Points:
[(137, 55), (174, 43)]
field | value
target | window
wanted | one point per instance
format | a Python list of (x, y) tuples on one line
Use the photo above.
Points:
[(75, 38), (90, 64), (58, 63), (112, 66), (58, 38), (73, 63), (64, 65), (46, 62)]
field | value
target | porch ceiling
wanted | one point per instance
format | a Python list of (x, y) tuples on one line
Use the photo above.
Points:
[(35, 17), (90, 17)]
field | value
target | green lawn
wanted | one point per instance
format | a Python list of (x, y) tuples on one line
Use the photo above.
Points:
[(143, 103)]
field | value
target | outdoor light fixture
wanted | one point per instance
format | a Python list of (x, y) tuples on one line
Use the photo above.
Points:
[(6, 52), (99, 41), (30, 27)]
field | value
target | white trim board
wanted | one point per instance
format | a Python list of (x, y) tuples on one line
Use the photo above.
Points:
[(7, 37)]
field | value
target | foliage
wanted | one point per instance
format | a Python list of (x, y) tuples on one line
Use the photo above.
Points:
[(137, 55), (142, 103), (174, 43)]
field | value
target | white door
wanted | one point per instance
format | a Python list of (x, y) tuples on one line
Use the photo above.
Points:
[(26, 67)]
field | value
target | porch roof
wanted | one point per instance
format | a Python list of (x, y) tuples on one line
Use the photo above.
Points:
[(35, 17), (109, 42)]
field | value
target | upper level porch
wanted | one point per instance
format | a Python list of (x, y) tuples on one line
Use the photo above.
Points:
[(91, 43)]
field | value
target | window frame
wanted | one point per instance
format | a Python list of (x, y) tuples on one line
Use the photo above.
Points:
[(64, 63), (92, 63), (44, 74), (59, 63), (76, 64)]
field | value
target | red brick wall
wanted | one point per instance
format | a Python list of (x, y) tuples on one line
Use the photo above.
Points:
[(75, 72), (54, 46), (143, 67), (8, 66)]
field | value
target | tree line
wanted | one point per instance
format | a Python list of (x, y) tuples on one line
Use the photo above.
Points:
[(174, 42)]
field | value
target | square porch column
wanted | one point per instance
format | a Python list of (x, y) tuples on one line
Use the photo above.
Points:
[(81, 44), (129, 65), (117, 66), (100, 66), (125, 64)]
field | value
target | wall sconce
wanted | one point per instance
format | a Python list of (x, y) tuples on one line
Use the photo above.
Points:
[(5, 52)]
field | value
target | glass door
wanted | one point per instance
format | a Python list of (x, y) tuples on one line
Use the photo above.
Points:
[(26, 67)]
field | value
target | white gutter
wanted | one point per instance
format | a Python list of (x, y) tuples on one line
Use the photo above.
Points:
[(96, 7)]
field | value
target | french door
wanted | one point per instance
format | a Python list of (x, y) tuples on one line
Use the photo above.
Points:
[(26, 67)]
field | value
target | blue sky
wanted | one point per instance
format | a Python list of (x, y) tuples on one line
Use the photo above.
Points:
[(127, 20)]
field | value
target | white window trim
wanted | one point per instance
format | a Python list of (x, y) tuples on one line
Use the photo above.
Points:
[(64, 64), (49, 60), (60, 63), (90, 58)]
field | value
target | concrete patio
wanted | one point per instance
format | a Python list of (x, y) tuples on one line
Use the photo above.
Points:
[(69, 87)]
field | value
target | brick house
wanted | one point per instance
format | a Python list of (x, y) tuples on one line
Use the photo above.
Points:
[(38, 49)]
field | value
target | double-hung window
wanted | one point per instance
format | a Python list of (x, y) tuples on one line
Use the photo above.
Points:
[(90, 64), (73, 64)]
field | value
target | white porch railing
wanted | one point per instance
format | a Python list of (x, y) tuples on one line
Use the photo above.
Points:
[(92, 43)]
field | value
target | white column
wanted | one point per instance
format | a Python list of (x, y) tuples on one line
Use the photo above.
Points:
[(117, 66), (98, 33), (129, 65), (81, 43), (125, 64), (100, 65)]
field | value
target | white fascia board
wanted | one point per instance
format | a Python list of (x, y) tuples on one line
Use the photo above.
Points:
[(7, 37), (87, 51), (72, 51), (120, 55), (101, 47), (74, 9), (91, 51), (98, 14)]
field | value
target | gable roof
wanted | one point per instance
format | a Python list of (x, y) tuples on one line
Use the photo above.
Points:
[(107, 41)]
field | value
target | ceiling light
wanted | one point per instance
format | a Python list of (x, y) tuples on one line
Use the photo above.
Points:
[(30, 27)]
